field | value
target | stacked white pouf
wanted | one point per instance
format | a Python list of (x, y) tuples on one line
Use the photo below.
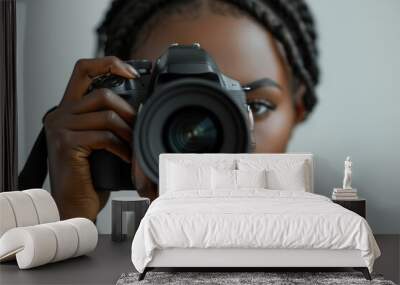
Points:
[(31, 230)]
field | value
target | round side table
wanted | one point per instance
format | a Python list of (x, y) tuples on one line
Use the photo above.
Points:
[(138, 205)]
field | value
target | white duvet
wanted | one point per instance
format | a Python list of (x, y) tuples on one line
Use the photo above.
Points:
[(251, 218)]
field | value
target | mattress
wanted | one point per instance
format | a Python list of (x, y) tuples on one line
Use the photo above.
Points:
[(251, 219)]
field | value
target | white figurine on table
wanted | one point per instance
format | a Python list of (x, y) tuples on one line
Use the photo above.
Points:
[(347, 173)]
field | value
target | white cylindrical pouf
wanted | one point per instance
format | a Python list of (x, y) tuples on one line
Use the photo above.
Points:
[(67, 239), (7, 218), (45, 205), (34, 245), (87, 235), (40, 244), (23, 208)]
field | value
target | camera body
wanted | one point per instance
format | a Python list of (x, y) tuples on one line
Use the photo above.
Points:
[(184, 105)]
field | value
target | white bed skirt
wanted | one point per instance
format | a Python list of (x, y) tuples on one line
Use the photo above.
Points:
[(235, 257)]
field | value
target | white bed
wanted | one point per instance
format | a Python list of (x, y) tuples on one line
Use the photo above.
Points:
[(250, 227)]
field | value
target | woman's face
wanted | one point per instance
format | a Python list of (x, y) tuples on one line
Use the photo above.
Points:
[(244, 50)]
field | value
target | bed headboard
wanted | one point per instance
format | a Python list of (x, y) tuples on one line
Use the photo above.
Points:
[(209, 157)]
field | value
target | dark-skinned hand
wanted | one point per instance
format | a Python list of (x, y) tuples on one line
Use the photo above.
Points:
[(81, 124)]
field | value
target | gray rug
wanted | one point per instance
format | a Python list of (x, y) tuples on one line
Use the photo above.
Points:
[(243, 278)]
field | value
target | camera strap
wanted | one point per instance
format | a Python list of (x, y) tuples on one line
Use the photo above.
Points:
[(35, 169)]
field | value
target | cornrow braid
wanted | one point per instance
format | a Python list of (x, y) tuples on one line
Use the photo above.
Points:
[(289, 21), (300, 33)]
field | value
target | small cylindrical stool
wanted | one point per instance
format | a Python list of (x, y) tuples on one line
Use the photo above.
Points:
[(138, 205)]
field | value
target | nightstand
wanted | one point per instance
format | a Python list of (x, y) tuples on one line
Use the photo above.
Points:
[(137, 205), (358, 206)]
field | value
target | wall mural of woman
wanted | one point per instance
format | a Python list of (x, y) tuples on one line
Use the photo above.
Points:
[(247, 39)]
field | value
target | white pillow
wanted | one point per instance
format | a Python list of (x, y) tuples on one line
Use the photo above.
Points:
[(226, 179), (223, 179), (251, 178), (288, 179), (181, 178), (282, 174)]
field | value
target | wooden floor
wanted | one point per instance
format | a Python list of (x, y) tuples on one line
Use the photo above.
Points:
[(111, 259), (389, 262)]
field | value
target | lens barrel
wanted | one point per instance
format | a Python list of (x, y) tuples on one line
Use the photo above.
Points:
[(192, 129), (189, 116)]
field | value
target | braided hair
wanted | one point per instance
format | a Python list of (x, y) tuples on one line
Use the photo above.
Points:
[(289, 21)]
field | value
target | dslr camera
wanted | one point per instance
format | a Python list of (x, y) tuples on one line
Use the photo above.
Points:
[(184, 104)]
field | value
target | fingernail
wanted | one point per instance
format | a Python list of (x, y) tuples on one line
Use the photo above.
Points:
[(133, 71)]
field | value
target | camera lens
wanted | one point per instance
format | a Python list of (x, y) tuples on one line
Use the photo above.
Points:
[(189, 116), (192, 130)]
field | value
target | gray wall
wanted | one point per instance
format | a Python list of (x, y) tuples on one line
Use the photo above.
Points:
[(358, 114), (359, 98)]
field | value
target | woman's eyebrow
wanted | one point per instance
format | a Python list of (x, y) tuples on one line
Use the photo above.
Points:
[(259, 83)]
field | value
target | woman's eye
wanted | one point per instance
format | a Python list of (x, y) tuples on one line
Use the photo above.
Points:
[(260, 108)]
